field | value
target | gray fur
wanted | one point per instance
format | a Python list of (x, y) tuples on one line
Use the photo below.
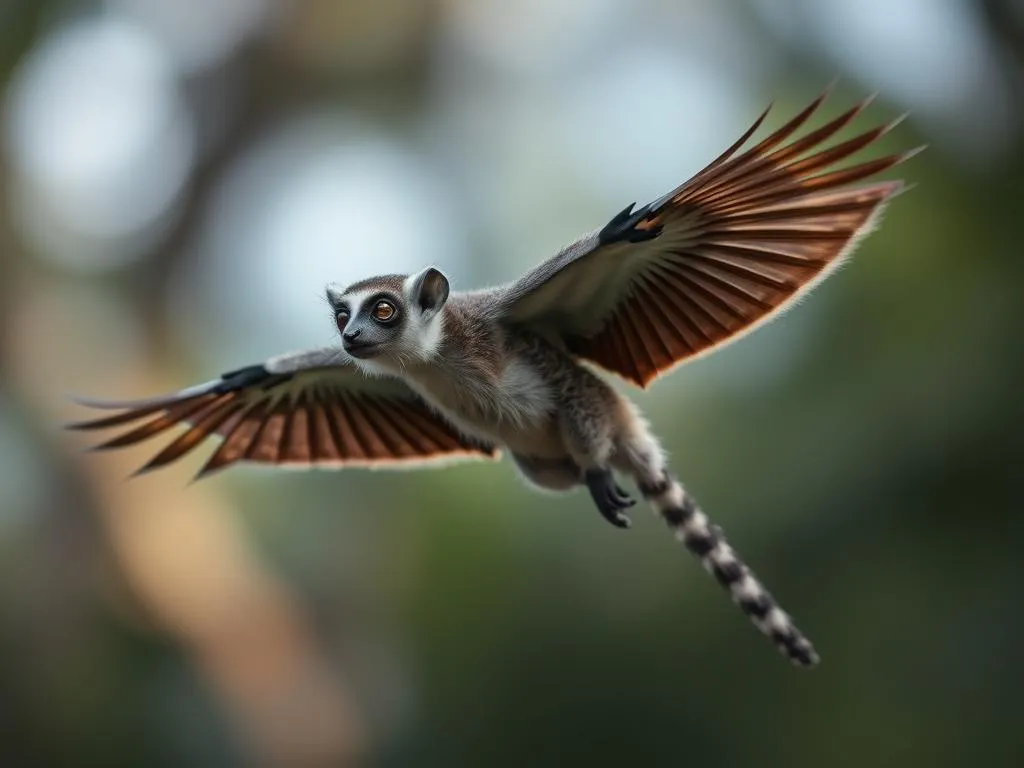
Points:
[(501, 383), (505, 366)]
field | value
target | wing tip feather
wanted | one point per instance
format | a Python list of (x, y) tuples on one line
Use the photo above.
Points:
[(145, 469), (208, 470), (87, 425), (912, 152), (101, 404)]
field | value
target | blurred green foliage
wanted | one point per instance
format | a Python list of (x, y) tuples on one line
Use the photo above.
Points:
[(874, 483)]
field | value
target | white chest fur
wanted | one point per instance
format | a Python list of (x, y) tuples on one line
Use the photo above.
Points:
[(517, 409), (524, 396)]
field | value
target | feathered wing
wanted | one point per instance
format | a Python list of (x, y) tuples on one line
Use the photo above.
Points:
[(304, 409), (727, 250)]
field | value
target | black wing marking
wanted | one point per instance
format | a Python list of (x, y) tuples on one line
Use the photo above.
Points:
[(311, 409), (726, 251)]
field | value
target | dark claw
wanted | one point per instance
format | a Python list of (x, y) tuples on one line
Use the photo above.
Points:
[(622, 497), (623, 227), (609, 497)]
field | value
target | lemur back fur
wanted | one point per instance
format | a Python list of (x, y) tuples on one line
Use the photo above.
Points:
[(729, 249), (560, 420)]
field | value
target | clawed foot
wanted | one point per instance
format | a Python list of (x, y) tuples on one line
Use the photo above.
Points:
[(609, 497)]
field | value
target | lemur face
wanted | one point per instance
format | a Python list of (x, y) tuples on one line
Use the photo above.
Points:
[(391, 318)]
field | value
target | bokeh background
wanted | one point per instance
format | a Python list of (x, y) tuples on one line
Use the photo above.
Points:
[(180, 178)]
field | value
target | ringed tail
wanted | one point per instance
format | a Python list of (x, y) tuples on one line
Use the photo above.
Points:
[(706, 540)]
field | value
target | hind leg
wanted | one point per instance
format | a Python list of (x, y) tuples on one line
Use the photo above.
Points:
[(565, 474), (588, 426), (549, 474)]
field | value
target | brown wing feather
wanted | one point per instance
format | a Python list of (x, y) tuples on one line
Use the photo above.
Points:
[(174, 415), (301, 419), (203, 427), (266, 447), (416, 444), (322, 436), (741, 240), (237, 438), (724, 252), (297, 445)]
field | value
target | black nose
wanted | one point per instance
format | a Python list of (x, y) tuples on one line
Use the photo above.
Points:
[(351, 335)]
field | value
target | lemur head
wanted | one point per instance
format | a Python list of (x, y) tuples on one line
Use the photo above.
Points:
[(391, 318)]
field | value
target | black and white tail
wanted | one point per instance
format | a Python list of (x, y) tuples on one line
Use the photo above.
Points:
[(705, 540)]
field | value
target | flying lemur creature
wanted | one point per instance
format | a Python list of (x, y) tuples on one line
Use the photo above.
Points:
[(425, 374)]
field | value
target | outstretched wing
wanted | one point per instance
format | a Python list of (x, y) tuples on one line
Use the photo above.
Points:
[(724, 252), (303, 409)]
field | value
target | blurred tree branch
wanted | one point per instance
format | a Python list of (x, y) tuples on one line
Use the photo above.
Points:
[(247, 635)]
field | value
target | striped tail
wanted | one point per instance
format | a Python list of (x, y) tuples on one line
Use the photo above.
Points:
[(705, 540)]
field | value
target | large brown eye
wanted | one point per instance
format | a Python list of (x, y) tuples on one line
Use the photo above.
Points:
[(341, 319), (384, 311)]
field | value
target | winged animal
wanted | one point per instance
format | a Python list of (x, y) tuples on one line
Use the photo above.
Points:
[(424, 374)]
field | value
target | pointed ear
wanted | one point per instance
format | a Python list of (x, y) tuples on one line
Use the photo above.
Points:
[(429, 290)]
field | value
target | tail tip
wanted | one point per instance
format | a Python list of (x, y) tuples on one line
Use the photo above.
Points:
[(801, 652)]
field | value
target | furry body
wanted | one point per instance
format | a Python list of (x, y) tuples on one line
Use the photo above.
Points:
[(560, 420), (423, 374)]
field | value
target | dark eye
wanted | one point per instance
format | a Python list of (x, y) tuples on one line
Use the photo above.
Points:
[(341, 319), (384, 311)]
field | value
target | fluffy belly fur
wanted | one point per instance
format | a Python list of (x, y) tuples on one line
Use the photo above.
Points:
[(520, 411), (534, 399)]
